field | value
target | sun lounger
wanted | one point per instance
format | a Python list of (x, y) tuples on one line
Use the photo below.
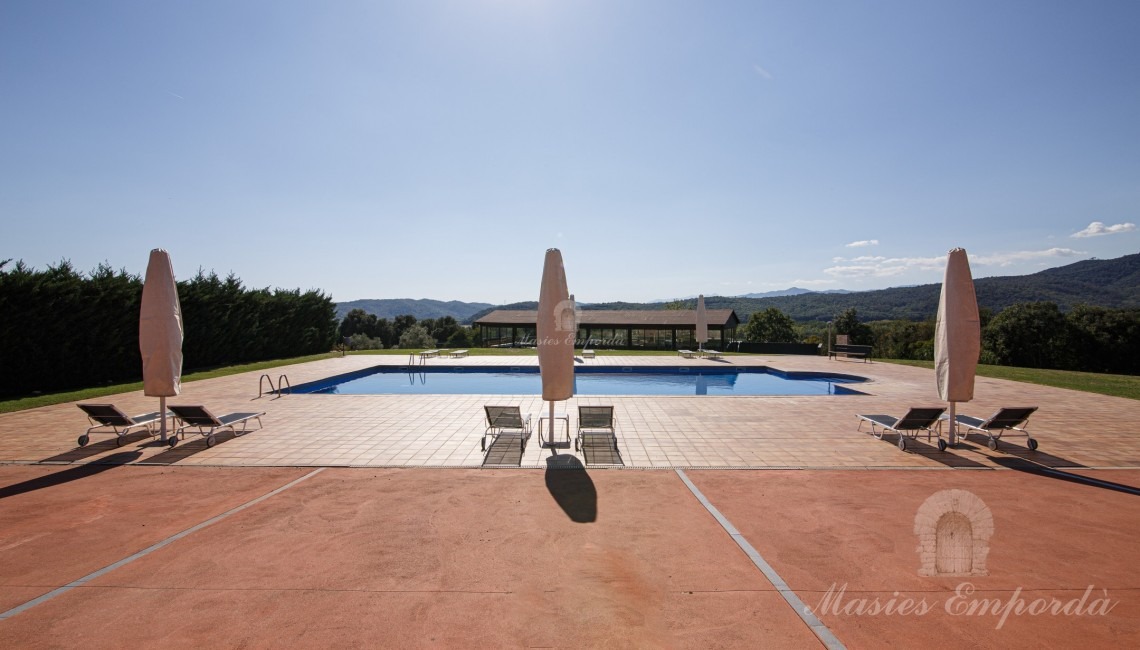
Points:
[(587, 354), (595, 421), (428, 354), (108, 416), (688, 354), (1011, 418), (712, 354), (505, 421), (457, 354), (207, 424), (913, 423)]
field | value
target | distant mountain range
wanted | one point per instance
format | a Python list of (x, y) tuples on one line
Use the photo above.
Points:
[(1104, 283), (794, 291), (391, 307)]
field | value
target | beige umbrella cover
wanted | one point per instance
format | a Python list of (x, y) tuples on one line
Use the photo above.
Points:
[(160, 331), (556, 331), (957, 335), (702, 334)]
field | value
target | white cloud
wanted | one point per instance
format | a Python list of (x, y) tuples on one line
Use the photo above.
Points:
[(862, 243), (883, 267), (761, 71), (1008, 259), (1096, 229), (877, 266)]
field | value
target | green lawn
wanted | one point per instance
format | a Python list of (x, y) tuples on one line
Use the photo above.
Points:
[(1090, 382), (35, 401)]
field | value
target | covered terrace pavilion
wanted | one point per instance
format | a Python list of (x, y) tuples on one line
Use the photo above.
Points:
[(665, 329)]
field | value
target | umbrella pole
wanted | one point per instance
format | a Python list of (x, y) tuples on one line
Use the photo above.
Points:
[(162, 409), (953, 426), (551, 425)]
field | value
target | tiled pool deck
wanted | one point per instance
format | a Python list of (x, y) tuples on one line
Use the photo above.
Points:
[(1074, 429)]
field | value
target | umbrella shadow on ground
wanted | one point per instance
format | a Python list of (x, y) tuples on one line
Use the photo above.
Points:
[(70, 474), (929, 450), (1011, 450), (1030, 467), (571, 487), (186, 449), (503, 452)]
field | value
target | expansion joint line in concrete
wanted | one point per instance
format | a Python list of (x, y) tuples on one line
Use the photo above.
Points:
[(825, 635), (150, 549)]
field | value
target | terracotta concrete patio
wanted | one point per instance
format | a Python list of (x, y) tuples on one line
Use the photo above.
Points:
[(398, 538)]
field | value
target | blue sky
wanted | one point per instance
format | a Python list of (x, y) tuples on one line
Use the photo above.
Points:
[(436, 149)]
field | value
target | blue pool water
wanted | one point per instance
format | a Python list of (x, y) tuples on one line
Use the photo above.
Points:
[(525, 380)]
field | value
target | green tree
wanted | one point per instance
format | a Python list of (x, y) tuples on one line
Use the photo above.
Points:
[(848, 323), (903, 339), (358, 321), (461, 338), (416, 337), (771, 326), (1028, 335), (400, 324), (1105, 340), (383, 331), (443, 328)]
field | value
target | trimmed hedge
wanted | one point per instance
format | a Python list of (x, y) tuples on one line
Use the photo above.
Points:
[(61, 329)]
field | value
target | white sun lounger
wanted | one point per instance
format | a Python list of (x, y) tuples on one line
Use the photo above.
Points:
[(207, 424), (108, 416), (595, 421), (1012, 418), (505, 421), (912, 424)]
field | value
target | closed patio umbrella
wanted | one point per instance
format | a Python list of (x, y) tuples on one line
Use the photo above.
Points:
[(957, 335), (702, 333), (556, 329), (160, 332)]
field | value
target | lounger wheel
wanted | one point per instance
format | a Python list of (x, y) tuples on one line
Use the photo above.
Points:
[(83, 440), (942, 445), (902, 442), (211, 441), (992, 444), (1032, 444), (171, 441), (119, 440)]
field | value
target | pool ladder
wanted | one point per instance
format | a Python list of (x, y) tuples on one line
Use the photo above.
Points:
[(282, 383)]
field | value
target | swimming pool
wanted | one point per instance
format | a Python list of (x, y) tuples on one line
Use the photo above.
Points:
[(607, 380)]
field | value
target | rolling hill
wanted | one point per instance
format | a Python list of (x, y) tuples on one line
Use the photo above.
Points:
[(1104, 283), (391, 307)]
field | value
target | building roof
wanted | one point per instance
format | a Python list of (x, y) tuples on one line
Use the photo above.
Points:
[(618, 318)]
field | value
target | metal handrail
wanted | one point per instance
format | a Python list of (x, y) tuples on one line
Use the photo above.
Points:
[(261, 384), (282, 382)]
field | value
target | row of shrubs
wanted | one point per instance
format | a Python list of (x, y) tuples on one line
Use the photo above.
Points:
[(1027, 335), (62, 329)]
